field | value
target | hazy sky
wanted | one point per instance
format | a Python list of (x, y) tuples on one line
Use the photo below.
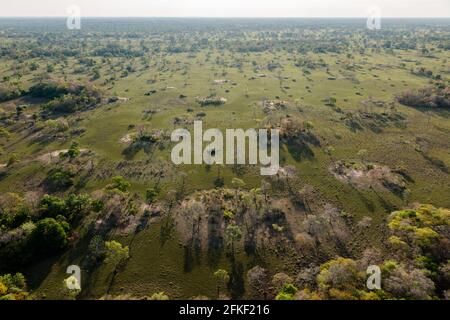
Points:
[(227, 8)]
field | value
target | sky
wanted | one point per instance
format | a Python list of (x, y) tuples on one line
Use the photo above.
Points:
[(226, 8)]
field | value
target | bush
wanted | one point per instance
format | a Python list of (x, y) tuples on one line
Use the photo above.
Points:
[(9, 93), (426, 98), (13, 287), (66, 97), (51, 207), (59, 180), (120, 184), (150, 195), (49, 237), (287, 292)]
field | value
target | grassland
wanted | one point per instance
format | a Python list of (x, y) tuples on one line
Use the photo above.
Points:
[(357, 79)]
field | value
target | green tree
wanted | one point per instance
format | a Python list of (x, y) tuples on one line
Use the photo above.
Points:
[(116, 256), (232, 234), (74, 150), (222, 278), (78, 204), (59, 180), (287, 292), (120, 184), (49, 236), (150, 195), (51, 207)]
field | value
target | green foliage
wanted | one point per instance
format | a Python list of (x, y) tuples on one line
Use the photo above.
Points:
[(341, 279), (287, 292), (51, 207), (97, 248), (421, 226), (59, 180), (4, 133), (74, 151), (13, 287), (116, 254), (70, 208), (12, 160), (150, 195), (238, 183), (232, 234), (13, 210), (277, 228), (228, 215), (219, 182), (159, 296), (97, 205), (223, 278), (120, 184), (66, 97), (9, 93), (49, 237)]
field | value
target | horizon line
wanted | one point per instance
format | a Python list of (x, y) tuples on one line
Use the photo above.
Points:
[(231, 17)]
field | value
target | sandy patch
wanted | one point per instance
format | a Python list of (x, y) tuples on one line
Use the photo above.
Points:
[(126, 139), (55, 155)]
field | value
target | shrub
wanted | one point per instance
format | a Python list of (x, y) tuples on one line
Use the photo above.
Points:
[(120, 184), (150, 195), (49, 237), (287, 292), (9, 93), (426, 98), (59, 180), (66, 97)]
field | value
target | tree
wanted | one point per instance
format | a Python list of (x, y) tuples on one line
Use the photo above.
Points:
[(150, 195), (51, 207), (410, 283), (59, 180), (340, 279), (13, 287), (116, 256), (77, 205), (287, 292), (97, 205), (74, 150), (222, 277), (238, 185), (49, 236), (232, 234), (97, 248), (120, 184)]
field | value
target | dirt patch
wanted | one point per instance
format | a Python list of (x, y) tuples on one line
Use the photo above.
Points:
[(54, 156), (127, 139), (368, 176)]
